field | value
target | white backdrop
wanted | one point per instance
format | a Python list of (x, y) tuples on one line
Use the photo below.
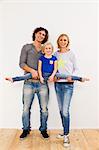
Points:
[(79, 21)]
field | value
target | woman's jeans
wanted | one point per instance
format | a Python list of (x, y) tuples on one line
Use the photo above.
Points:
[(31, 88), (64, 93), (45, 75)]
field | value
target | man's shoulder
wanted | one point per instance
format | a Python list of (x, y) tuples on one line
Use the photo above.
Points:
[(27, 46)]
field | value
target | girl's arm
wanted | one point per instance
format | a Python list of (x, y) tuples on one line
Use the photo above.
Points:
[(54, 71), (40, 71)]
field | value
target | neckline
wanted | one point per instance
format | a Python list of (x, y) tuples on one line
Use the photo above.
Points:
[(48, 57), (64, 52), (36, 48)]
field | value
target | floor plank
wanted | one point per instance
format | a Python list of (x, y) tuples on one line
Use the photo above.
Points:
[(92, 137), (80, 139)]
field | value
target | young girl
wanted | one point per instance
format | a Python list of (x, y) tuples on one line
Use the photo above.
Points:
[(64, 90), (47, 68)]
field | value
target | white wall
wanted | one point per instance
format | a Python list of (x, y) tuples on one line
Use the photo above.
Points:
[(79, 21)]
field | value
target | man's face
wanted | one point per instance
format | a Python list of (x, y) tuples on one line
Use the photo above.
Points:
[(40, 36)]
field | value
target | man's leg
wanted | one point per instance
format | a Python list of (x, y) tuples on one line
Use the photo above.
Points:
[(28, 96), (43, 96)]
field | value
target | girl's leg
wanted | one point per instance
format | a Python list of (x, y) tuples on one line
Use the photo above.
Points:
[(20, 78), (63, 76)]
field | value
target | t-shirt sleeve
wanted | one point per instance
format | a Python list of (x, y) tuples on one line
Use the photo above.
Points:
[(23, 56), (55, 54), (75, 67), (41, 58), (55, 58)]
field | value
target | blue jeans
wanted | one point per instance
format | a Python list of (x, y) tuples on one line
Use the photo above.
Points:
[(45, 75), (64, 93), (29, 90)]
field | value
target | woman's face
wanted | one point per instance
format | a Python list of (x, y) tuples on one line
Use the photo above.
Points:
[(63, 42)]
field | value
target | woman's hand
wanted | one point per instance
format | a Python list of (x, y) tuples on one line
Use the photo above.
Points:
[(69, 79)]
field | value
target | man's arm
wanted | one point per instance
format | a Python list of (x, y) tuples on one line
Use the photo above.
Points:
[(23, 62)]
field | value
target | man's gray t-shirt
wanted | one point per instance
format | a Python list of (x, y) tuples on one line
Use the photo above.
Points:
[(29, 56)]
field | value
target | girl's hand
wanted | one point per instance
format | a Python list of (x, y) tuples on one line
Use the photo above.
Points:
[(51, 78), (85, 79), (41, 79)]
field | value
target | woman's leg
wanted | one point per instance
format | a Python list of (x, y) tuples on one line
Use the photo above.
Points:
[(64, 93), (68, 91), (59, 94)]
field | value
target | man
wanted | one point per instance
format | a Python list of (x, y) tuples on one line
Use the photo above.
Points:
[(28, 62)]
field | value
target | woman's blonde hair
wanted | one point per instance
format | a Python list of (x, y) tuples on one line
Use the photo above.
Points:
[(60, 37), (47, 43)]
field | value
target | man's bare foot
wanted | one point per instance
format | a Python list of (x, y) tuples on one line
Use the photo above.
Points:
[(9, 79)]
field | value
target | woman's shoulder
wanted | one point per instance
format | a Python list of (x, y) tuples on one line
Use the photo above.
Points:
[(56, 53), (72, 53)]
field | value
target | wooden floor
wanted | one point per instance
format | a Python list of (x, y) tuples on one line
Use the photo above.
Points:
[(79, 139)]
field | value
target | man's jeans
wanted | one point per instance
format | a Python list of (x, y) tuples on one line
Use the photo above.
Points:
[(64, 93), (46, 76), (42, 91)]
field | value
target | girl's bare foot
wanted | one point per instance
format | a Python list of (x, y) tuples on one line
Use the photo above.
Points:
[(85, 79), (9, 79)]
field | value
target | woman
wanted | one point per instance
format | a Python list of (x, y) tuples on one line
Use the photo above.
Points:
[(63, 88)]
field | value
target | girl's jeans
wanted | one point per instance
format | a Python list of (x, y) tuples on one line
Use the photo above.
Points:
[(45, 75)]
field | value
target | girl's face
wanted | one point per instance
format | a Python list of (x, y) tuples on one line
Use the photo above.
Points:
[(48, 49), (40, 36), (63, 42)]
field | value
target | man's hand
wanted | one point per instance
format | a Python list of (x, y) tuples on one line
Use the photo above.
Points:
[(34, 74)]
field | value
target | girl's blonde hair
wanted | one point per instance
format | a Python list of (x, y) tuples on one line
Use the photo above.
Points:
[(47, 43), (60, 37)]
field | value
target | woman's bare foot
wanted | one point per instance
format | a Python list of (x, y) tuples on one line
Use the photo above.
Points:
[(9, 79)]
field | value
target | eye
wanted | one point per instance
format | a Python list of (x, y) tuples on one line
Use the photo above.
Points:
[(43, 34)]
